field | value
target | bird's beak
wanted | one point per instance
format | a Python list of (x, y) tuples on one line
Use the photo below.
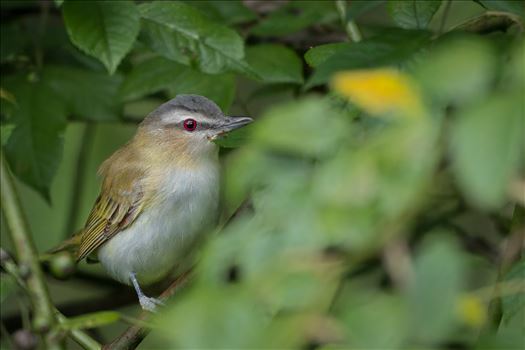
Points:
[(231, 123)]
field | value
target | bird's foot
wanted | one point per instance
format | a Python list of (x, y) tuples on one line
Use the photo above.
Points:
[(150, 304)]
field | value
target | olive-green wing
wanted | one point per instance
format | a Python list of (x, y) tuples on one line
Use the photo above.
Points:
[(117, 206)]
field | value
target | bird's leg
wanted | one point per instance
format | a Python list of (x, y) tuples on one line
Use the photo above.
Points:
[(147, 303)]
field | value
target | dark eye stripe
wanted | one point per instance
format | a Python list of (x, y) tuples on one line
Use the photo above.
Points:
[(180, 125)]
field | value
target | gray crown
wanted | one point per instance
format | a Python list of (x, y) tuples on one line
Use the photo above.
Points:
[(190, 103)]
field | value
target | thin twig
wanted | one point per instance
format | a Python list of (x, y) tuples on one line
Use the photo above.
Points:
[(43, 316), (444, 17), (510, 252), (79, 336), (82, 338), (351, 28)]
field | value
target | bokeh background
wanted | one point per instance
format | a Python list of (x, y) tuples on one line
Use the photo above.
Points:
[(381, 187)]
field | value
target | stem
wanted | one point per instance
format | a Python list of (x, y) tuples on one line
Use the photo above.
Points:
[(352, 30), (444, 17), (80, 337), (43, 316), (78, 177)]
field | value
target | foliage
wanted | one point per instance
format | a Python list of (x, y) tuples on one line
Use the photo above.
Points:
[(381, 186)]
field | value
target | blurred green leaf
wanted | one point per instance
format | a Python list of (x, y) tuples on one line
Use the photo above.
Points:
[(219, 313), (275, 63), (458, 70), (318, 54), (235, 138), (357, 8), (513, 74), (183, 34), (367, 192), (390, 49), (310, 127), (34, 149), (486, 144), (7, 286), (89, 95), (413, 14), (13, 41), (513, 6), (490, 22), (435, 291), (225, 11), (90, 320), (5, 132), (513, 304), (103, 29), (375, 321), (295, 16)]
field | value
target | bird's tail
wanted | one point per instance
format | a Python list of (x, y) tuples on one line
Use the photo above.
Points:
[(69, 245)]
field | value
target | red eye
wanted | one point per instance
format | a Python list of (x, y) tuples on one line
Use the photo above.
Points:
[(190, 124)]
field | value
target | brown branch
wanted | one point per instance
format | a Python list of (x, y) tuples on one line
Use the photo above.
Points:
[(134, 335)]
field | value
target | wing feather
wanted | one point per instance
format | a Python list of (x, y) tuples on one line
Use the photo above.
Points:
[(118, 205)]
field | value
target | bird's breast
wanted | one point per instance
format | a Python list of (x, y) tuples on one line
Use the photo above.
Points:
[(184, 206)]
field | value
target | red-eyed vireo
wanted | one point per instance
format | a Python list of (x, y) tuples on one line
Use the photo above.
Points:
[(159, 194)]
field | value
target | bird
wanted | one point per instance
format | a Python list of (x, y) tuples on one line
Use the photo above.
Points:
[(159, 194)]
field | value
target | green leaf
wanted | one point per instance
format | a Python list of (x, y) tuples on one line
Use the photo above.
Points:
[(7, 286), (458, 70), (235, 138), (219, 313), (318, 54), (513, 6), (34, 149), (275, 63), (105, 30), (486, 144), (92, 320), (295, 16), (5, 132), (434, 294), (150, 76), (14, 40), (224, 11), (220, 88), (183, 34), (513, 304), (160, 74), (375, 320), (357, 8), (58, 3), (302, 136), (89, 95), (413, 14), (391, 48)]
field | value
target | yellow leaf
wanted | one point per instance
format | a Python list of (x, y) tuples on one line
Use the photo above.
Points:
[(380, 91)]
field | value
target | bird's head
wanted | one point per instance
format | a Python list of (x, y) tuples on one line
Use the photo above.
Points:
[(191, 122)]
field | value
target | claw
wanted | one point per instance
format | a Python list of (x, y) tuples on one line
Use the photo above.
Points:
[(147, 303), (150, 304)]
